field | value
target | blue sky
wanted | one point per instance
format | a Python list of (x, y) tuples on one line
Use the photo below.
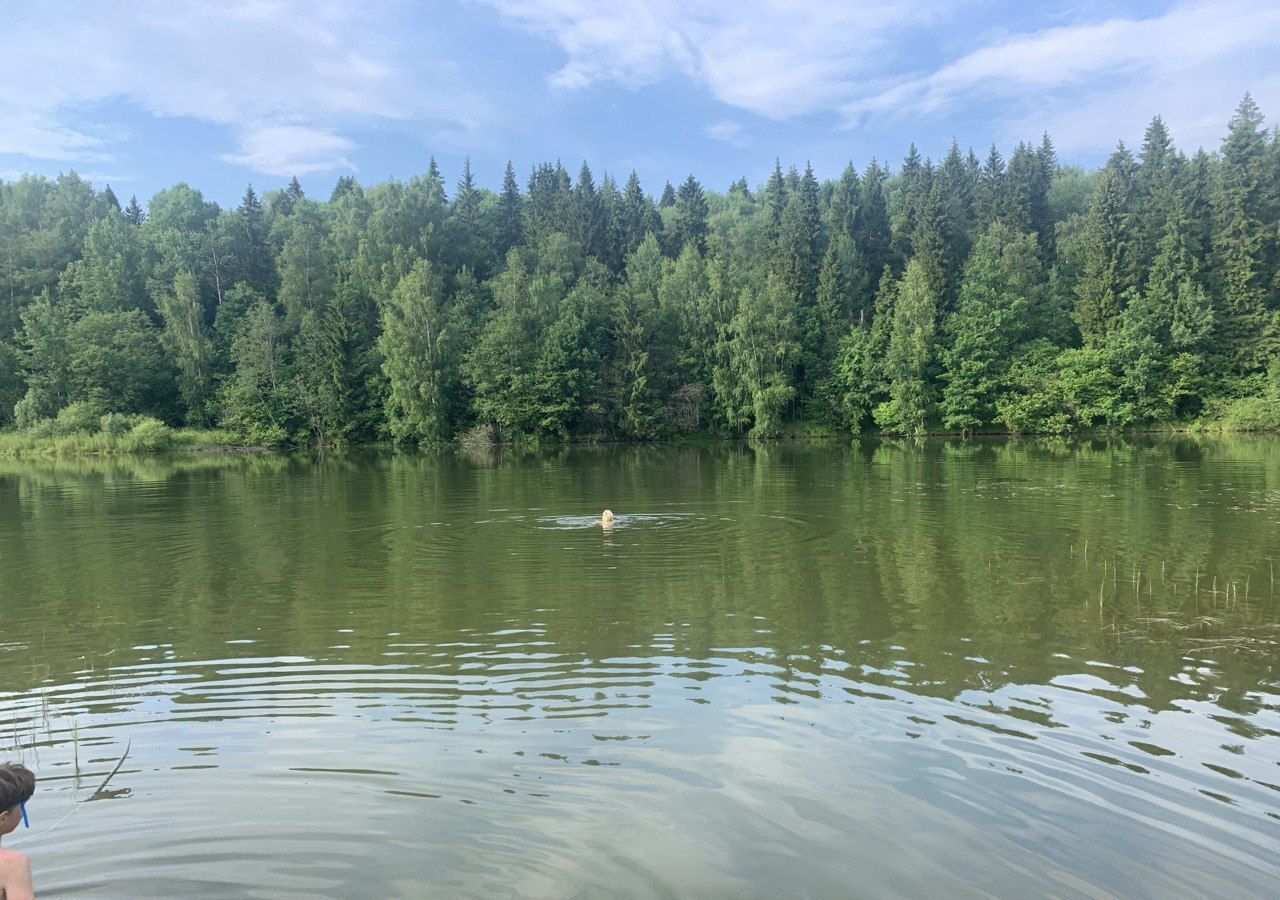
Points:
[(220, 93)]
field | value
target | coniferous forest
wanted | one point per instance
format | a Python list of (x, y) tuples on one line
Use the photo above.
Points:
[(963, 294)]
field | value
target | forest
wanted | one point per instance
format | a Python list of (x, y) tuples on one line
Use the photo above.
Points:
[(966, 294)]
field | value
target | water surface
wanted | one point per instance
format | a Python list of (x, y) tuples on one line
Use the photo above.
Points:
[(960, 670)]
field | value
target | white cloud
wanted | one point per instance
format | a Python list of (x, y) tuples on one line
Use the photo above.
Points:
[(729, 132), (1089, 83), (286, 76), (777, 58), (881, 62), (292, 150)]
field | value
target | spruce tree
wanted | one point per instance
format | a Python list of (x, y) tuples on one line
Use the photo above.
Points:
[(988, 201), (871, 232), (510, 212), (691, 216), (842, 209), (639, 216), (466, 201), (249, 247), (775, 199), (133, 212), (1244, 238), (668, 198), (912, 191), (585, 224), (1154, 189), (1109, 274)]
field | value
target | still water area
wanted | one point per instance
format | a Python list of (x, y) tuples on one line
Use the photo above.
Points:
[(991, 669)]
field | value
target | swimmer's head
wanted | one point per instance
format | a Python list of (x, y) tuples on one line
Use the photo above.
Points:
[(17, 784), (606, 517)]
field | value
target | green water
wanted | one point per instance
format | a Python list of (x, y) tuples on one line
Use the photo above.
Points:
[(1027, 669)]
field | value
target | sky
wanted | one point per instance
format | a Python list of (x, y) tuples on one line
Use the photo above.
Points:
[(142, 94)]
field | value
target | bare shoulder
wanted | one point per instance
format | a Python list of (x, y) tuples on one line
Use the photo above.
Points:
[(12, 861), (15, 875)]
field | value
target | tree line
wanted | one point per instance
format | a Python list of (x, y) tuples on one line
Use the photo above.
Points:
[(963, 294)]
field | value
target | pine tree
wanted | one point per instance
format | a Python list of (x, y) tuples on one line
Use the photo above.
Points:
[(988, 197), (691, 215), (510, 212), (1154, 187), (801, 243), (586, 218), (109, 197), (612, 225), (466, 201), (871, 232), (547, 202), (249, 247), (435, 177), (912, 192), (1244, 212), (638, 215), (288, 199), (668, 198), (952, 200), (775, 199), (1109, 273), (842, 210), (133, 212)]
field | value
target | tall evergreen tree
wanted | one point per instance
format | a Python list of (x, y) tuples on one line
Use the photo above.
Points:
[(988, 197), (1110, 273), (639, 216), (133, 212), (1154, 189), (691, 215), (668, 198), (510, 212), (466, 202), (1244, 236), (586, 217)]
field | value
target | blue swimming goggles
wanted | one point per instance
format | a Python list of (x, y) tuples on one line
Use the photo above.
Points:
[(26, 823)]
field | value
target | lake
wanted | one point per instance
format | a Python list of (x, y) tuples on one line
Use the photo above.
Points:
[(1007, 669)]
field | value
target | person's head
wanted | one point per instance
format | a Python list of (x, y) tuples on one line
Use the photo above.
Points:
[(606, 517), (17, 784)]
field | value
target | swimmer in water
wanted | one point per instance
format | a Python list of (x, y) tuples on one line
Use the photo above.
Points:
[(17, 784), (606, 520)]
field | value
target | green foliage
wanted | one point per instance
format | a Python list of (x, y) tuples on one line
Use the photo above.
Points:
[(953, 293), (910, 360), (418, 357), (1003, 284), (187, 340)]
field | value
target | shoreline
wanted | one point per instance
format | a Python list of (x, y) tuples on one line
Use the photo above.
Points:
[(20, 445)]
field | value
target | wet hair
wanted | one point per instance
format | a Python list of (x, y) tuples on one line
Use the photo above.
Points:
[(17, 784)]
